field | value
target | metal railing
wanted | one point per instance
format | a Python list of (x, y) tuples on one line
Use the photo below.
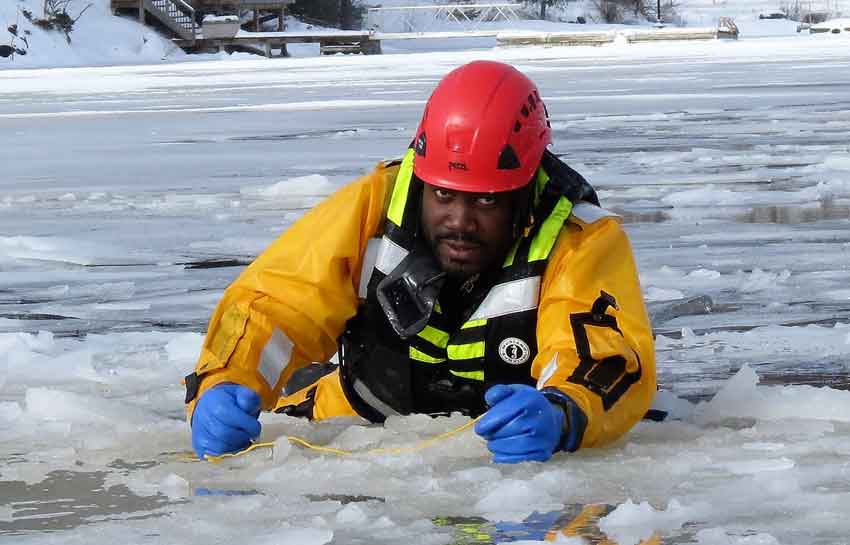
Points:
[(423, 18), (181, 14)]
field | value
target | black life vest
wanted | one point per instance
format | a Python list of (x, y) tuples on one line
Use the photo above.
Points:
[(443, 369)]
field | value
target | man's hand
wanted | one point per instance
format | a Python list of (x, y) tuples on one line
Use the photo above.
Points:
[(225, 420), (521, 425)]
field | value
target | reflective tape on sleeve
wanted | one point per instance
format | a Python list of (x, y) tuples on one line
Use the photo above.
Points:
[(275, 357), (369, 260), (389, 256), (548, 372)]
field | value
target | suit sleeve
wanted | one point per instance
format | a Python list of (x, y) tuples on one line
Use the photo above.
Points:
[(287, 309), (594, 336)]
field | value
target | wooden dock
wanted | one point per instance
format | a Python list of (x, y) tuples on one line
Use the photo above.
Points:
[(274, 43), (549, 39), (238, 7)]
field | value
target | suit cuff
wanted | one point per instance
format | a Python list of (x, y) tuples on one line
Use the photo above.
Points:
[(575, 421)]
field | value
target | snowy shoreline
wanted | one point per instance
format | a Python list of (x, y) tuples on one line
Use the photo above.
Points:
[(101, 39)]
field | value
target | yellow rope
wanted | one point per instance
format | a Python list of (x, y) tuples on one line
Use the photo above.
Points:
[(341, 452)]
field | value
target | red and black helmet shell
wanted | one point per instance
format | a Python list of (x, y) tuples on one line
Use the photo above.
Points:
[(484, 130)]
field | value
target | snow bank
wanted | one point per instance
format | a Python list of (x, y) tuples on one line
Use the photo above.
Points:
[(97, 39), (101, 39)]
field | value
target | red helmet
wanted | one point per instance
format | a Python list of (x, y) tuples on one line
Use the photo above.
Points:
[(484, 130)]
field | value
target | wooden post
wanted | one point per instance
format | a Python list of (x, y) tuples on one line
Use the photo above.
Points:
[(142, 11), (256, 19), (281, 26)]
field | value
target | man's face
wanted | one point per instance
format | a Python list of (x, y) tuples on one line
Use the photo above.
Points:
[(468, 232)]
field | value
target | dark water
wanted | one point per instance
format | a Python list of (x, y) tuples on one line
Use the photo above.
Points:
[(68, 499)]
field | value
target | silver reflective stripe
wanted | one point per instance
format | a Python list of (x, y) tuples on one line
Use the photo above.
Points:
[(547, 373), (369, 260), (372, 400), (510, 297), (390, 255), (588, 213), (275, 357)]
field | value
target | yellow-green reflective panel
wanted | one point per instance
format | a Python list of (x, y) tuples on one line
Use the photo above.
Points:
[(435, 336), (423, 357), (395, 213), (466, 351), (509, 260), (474, 323), (539, 184), (548, 234), (471, 375)]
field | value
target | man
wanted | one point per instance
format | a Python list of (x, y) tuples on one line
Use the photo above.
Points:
[(476, 275)]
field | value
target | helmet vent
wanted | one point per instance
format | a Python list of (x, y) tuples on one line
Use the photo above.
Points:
[(508, 159), (517, 126), (532, 102), (420, 145), (524, 111)]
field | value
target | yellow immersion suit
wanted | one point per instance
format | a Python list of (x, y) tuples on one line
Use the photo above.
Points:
[(289, 307)]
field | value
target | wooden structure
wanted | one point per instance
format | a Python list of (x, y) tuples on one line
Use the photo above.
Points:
[(267, 43), (175, 17), (511, 39), (180, 18), (240, 7), (549, 39)]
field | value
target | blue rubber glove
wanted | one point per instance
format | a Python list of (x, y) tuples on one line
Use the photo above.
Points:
[(225, 420), (521, 425)]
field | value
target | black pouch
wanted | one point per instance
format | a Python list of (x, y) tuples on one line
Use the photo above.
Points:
[(408, 294), (381, 367)]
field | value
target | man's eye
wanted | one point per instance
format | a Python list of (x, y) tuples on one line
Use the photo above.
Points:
[(442, 194), (486, 200)]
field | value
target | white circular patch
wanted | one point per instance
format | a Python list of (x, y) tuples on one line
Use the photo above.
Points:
[(514, 351)]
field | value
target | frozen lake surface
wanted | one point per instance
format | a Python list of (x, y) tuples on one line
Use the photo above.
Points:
[(131, 196)]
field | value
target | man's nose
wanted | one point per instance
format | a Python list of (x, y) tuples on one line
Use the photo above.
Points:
[(460, 216)]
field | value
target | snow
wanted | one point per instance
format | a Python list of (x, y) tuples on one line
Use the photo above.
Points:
[(101, 39), (98, 38), (727, 160)]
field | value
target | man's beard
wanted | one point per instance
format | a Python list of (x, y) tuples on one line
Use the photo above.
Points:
[(457, 270)]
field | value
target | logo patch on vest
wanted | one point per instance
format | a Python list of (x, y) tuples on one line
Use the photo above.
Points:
[(514, 351)]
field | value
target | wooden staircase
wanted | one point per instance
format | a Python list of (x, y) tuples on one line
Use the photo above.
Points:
[(176, 17)]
